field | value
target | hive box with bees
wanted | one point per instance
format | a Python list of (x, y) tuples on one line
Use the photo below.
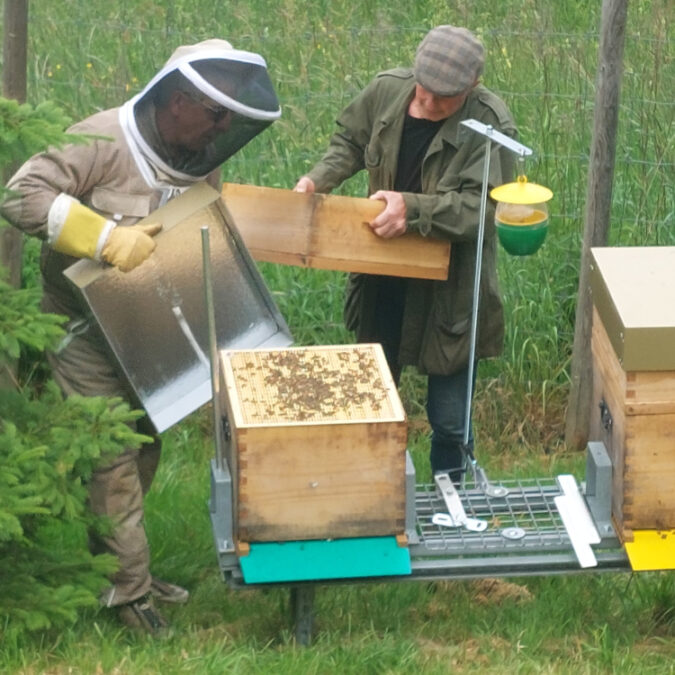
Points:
[(315, 440), (633, 341)]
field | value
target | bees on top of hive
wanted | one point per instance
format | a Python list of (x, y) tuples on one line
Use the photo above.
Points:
[(312, 384)]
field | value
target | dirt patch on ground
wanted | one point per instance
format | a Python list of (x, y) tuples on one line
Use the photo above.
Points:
[(493, 591)]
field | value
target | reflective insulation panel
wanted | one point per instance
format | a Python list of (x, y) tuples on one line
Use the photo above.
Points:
[(155, 320)]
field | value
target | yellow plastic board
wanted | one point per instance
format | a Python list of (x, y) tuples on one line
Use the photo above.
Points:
[(652, 550)]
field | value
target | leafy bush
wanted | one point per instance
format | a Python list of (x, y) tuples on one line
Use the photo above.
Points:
[(48, 449), (25, 130), (48, 446), (22, 323)]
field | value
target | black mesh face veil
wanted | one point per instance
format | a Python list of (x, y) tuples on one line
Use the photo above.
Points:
[(235, 91)]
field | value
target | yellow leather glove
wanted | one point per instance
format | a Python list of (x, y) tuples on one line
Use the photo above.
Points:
[(128, 247), (77, 230)]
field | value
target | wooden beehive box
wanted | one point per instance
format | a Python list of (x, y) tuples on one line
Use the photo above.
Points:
[(316, 445), (633, 346), (328, 232)]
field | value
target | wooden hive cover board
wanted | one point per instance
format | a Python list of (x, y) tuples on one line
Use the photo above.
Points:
[(634, 291), (328, 232)]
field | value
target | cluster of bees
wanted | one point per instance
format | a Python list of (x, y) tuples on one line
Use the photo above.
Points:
[(309, 384)]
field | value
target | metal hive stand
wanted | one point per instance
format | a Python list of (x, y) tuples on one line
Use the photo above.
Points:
[(545, 544), (525, 536)]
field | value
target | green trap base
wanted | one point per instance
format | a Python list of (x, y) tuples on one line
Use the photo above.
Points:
[(324, 559), (522, 239)]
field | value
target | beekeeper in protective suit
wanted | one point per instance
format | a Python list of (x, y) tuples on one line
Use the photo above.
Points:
[(207, 102)]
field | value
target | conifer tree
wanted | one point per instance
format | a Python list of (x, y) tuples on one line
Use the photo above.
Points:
[(48, 446)]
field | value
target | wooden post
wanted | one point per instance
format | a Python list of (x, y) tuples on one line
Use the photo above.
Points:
[(14, 51), (598, 205), (14, 54)]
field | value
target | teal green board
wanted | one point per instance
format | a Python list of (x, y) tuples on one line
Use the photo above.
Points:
[(324, 559)]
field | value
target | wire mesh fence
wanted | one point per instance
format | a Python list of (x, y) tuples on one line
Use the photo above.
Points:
[(541, 60)]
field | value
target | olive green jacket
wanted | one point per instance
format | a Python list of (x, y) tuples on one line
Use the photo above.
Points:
[(437, 314)]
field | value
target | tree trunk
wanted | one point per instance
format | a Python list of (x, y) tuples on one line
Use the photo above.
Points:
[(598, 206)]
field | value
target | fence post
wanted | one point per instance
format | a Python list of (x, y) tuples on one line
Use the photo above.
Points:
[(14, 55), (597, 213)]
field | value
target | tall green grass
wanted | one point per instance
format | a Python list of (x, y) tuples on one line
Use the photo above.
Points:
[(542, 60)]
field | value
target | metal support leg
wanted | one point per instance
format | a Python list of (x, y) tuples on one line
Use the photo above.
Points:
[(598, 490), (302, 608), (410, 488)]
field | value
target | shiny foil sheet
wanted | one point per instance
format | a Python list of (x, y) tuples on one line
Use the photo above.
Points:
[(154, 318)]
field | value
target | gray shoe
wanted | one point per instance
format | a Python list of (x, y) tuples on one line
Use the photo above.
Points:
[(166, 592), (141, 615)]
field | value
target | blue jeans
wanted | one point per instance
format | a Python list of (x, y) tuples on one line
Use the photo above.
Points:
[(446, 394), (446, 409)]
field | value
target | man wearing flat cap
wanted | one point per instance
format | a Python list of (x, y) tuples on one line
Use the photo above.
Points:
[(403, 128)]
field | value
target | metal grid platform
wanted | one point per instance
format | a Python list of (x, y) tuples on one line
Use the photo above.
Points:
[(525, 534), (529, 506)]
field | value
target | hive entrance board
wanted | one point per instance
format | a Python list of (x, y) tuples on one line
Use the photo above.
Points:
[(317, 443)]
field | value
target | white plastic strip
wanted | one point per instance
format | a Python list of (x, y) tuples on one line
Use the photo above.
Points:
[(582, 516), (582, 548), (577, 521)]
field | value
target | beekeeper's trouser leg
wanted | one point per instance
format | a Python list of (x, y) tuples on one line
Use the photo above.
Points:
[(116, 490)]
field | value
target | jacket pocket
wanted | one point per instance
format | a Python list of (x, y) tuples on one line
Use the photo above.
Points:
[(455, 328), (452, 347), (120, 206)]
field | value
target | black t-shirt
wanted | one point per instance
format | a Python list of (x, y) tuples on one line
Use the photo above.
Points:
[(416, 137)]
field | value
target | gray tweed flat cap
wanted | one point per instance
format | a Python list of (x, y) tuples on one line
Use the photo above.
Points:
[(449, 60)]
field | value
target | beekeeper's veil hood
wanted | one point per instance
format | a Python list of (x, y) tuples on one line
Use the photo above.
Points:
[(228, 83)]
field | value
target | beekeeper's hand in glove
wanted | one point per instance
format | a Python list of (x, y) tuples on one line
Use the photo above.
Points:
[(128, 247), (76, 230)]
